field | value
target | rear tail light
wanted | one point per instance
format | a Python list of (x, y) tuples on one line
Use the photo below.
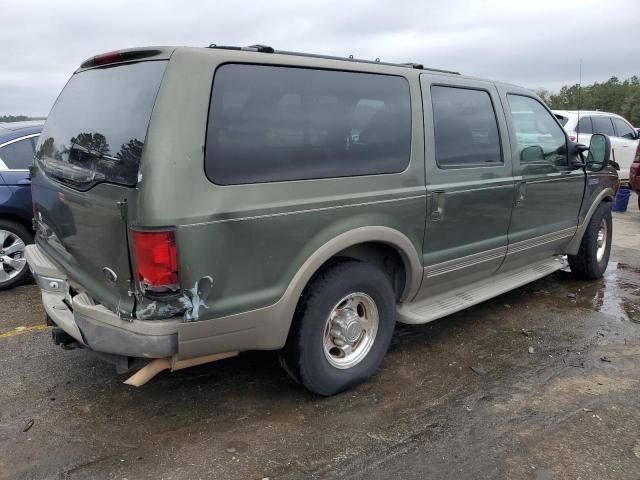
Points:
[(637, 157), (573, 137), (156, 260)]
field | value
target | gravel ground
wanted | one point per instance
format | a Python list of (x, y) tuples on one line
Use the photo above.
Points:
[(540, 383)]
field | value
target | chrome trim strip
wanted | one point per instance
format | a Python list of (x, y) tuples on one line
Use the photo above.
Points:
[(295, 212), (448, 266), (555, 179), (494, 187), (541, 240), (18, 139)]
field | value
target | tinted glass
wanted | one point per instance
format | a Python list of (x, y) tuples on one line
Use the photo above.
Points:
[(17, 155), (602, 125), (540, 139), (563, 120), (584, 125), (465, 127), (97, 127), (623, 129), (271, 124)]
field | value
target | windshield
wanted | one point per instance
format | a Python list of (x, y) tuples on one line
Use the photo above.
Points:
[(97, 127)]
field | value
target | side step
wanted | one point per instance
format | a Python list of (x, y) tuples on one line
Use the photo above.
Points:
[(430, 309)]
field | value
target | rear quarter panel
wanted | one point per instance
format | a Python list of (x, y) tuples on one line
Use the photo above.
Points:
[(252, 239)]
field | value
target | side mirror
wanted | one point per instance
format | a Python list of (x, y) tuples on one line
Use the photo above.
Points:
[(533, 153), (599, 152)]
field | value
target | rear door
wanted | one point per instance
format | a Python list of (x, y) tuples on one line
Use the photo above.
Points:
[(87, 163), (549, 191), (469, 180)]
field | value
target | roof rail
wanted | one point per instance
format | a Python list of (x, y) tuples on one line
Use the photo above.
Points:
[(268, 49)]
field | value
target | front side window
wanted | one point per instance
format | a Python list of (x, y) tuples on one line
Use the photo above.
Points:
[(17, 155), (272, 123), (539, 137), (465, 128), (602, 125), (623, 129)]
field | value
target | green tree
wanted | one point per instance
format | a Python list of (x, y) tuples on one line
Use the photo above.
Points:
[(621, 97)]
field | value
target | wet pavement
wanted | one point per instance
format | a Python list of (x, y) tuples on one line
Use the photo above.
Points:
[(540, 383)]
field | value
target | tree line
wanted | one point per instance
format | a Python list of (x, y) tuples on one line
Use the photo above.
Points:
[(17, 118), (621, 97)]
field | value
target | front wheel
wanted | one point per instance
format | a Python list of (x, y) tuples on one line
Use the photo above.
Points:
[(341, 329), (592, 258)]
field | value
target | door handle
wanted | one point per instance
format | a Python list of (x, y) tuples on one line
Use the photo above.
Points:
[(437, 206), (521, 193)]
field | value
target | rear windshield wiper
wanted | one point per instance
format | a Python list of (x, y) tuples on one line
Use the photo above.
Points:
[(93, 153)]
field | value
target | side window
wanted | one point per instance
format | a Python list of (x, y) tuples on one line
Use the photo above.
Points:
[(465, 127), (584, 125), (602, 125), (623, 129), (18, 155), (272, 124), (540, 139)]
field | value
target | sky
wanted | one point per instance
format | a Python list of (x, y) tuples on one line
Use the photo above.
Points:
[(534, 44)]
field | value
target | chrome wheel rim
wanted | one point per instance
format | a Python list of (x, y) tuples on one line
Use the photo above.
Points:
[(12, 261), (602, 240), (350, 330)]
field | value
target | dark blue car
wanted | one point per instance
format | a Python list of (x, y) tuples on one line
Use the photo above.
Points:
[(17, 147)]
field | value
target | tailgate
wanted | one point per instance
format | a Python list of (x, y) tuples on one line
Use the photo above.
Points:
[(86, 172)]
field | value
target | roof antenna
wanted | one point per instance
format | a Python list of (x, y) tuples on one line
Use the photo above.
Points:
[(579, 100)]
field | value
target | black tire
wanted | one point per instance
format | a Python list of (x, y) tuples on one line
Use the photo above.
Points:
[(303, 356), (586, 264), (25, 235)]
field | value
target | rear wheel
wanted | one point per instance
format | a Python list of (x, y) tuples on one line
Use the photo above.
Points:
[(341, 329), (13, 266), (592, 258)]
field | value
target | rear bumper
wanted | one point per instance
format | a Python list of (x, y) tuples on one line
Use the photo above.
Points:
[(94, 326)]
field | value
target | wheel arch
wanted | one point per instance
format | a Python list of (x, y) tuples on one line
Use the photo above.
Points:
[(605, 195)]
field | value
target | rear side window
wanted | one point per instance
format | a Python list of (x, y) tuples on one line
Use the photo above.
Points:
[(465, 127), (269, 124), (623, 129), (584, 125), (17, 155), (563, 120), (602, 125), (97, 127)]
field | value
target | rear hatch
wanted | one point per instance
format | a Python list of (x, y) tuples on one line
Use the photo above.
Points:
[(86, 171)]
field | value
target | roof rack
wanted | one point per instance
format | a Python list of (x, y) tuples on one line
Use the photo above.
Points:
[(350, 58)]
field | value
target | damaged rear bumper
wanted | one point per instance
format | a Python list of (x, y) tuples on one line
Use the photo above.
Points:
[(94, 326)]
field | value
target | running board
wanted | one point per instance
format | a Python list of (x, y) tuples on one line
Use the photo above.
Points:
[(430, 309)]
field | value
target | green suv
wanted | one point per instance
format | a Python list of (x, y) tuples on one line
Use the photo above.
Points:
[(193, 203)]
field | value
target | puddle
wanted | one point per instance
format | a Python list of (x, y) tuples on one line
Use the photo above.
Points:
[(617, 292)]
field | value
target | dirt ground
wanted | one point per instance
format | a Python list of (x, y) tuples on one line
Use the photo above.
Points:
[(541, 383)]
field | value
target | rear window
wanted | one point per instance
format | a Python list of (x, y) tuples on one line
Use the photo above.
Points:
[(97, 127), (269, 124), (465, 128), (584, 125), (602, 125)]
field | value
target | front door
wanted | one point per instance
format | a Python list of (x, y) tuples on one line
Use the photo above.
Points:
[(469, 178), (549, 191)]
